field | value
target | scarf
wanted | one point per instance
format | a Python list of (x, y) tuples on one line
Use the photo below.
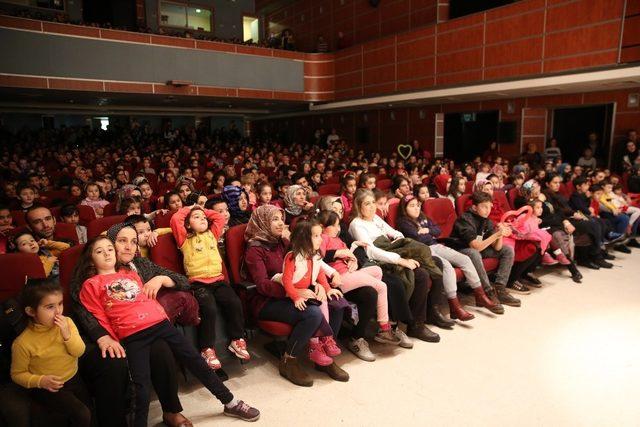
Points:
[(290, 205), (441, 183), (259, 226), (231, 195), (112, 232)]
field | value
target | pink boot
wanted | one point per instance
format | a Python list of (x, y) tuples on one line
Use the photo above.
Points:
[(562, 259), (317, 354), (548, 259), (330, 346)]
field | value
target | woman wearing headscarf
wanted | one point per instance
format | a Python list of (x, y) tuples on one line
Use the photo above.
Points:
[(267, 244), (238, 202), (105, 366), (296, 204), (442, 182)]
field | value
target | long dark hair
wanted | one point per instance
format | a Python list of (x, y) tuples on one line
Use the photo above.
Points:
[(301, 243), (402, 210), (85, 268)]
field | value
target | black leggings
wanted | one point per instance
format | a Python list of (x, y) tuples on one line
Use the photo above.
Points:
[(305, 323), (522, 267), (595, 231), (210, 297), (138, 347), (418, 299), (72, 400)]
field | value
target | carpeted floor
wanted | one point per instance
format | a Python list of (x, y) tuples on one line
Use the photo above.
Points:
[(570, 356)]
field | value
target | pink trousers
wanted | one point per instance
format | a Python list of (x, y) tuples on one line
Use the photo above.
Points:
[(368, 276)]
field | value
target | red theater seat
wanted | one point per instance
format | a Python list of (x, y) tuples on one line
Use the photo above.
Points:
[(18, 218), (383, 184), (166, 254), (513, 193), (163, 221), (109, 210), (68, 260), (441, 212), (392, 215), (15, 268), (87, 214), (329, 190), (100, 225), (67, 232), (462, 202)]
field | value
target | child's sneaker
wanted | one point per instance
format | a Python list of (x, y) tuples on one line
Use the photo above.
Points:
[(239, 348), (330, 347), (317, 354), (387, 337), (243, 411), (547, 259), (209, 356), (562, 259)]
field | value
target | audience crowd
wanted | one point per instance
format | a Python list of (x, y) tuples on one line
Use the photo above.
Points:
[(342, 246)]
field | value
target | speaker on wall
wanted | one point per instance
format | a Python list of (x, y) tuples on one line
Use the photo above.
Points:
[(506, 132)]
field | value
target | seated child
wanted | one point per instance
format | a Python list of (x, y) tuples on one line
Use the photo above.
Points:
[(127, 309), (94, 199), (71, 215), (44, 357), (47, 250)]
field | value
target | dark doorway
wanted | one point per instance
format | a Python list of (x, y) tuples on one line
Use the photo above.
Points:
[(117, 13), (468, 135), (458, 8), (572, 126)]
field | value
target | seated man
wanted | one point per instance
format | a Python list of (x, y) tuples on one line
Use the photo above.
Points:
[(475, 236), (43, 225)]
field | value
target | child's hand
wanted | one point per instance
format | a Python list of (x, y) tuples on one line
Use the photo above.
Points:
[(51, 383), (361, 243), (307, 206), (286, 233), (153, 239), (305, 294), (321, 294), (300, 304), (334, 294), (344, 253), (423, 230), (43, 242), (61, 322), (352, 265), (99, 211), (336, 280)]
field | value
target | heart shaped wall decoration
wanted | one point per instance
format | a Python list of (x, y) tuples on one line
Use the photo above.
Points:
[(405, 151)]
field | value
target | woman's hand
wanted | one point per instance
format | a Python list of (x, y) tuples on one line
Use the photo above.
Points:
[(568, 227), (361, 243), (307, 206), (352, 265), (152, 287), (111, 346), (61, 323), (286, 233), (334, 294), (336, 280), (411, 264), (300, 304)]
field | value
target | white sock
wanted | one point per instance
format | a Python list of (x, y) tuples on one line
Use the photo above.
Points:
[(231, 404), (314, 340), (557, 251)]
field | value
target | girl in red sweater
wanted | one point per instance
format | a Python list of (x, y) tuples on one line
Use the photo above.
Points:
[(302, 270), (128, 310)]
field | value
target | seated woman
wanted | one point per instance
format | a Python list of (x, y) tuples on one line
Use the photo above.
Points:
[(414, 224), (102, 362), (296, 205), (238, 202), (267, 244), (366, 227)]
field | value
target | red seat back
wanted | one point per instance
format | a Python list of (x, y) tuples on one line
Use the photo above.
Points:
[(462, 202), (109, 210), (500, 198), (468, 187), (18, 218), (383, 184), (163, 221), (513, 193), (98, 226), (334, 179), (166, 254), (68, 260), (329, 190), (15, 268), (441, 212), (235, 247), (66, 231), (392, 215), (87, 214)]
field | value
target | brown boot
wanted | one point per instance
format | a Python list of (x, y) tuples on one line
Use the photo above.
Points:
[(291, 370), (457, 312), (490, 302), (334, 371)]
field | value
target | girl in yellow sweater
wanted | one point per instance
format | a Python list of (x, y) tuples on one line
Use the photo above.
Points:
[(44, 357)]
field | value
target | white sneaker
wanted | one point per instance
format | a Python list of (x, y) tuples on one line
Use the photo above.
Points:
[(405, 341), (360, 347)]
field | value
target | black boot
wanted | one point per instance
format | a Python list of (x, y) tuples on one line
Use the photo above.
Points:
[(633, 243), (435, 317), (576, 276)]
